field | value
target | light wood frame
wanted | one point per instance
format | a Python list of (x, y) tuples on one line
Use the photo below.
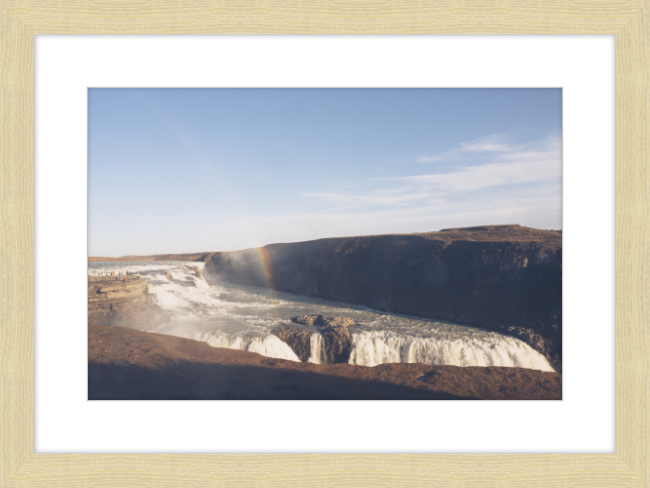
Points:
[(629, 20)]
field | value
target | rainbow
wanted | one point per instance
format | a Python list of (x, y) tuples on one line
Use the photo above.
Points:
[(265, 263)]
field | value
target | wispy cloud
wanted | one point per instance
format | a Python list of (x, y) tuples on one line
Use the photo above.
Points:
[(487, 146), (468, 150), (491, 143), (501, 164), (504, 164), (385, 198), (490, 175)]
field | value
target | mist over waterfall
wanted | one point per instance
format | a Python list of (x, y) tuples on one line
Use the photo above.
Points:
[(241, 317)]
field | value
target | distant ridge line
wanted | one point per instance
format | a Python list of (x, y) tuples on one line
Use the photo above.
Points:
[(487, 233)]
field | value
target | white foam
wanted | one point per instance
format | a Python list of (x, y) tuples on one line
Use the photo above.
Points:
[(379, 347), (269, 345), (317, 352)]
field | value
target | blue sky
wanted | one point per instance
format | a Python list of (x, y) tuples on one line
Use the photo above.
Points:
[(188, 170)]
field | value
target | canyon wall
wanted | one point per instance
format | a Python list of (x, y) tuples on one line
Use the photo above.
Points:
[(502, 278)]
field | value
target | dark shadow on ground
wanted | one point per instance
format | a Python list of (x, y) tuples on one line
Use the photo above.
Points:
[(199, 381)]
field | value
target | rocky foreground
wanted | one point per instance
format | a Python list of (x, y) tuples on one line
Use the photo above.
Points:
[(126, 364)]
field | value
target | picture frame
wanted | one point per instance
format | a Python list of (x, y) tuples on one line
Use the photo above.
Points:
[(20, 466)]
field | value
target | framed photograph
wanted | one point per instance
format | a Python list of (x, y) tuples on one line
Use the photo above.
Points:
[(263, 302), (320, 201)]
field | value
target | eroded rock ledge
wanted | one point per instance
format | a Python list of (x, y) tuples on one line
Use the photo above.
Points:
[(121, 302), (337, 340)]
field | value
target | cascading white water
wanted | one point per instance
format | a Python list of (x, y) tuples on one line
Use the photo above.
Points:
[(317, 354), (241, 317), (269, 345), (195, 309), (379, 347)]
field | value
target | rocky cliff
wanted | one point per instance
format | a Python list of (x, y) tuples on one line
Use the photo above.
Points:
[(503, 278), (336, 338)]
